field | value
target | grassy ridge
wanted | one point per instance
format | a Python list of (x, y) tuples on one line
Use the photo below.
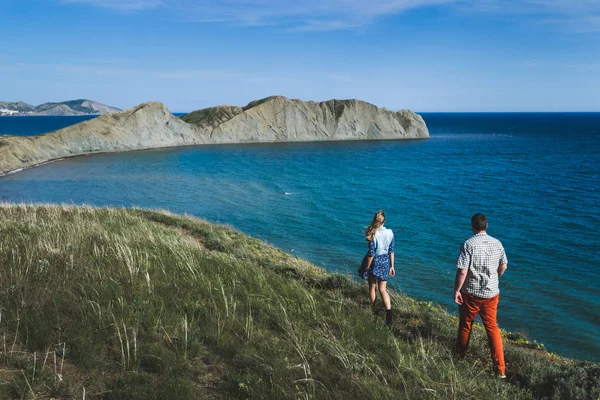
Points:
[(136, 304)]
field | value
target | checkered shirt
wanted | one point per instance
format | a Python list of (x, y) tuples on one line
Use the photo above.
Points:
[(481, 255)]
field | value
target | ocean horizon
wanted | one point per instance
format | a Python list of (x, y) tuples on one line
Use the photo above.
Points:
[(534, 174)]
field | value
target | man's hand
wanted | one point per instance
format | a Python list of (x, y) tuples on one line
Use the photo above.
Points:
[(461, 275), (392, 271), (458, 298)]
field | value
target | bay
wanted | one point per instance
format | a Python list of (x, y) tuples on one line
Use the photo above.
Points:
[(535, 175)]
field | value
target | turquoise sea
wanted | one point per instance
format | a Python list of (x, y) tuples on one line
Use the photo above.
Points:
[(535, 175)]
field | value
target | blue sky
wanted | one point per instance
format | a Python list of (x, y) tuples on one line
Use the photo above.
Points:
[(426, 55)]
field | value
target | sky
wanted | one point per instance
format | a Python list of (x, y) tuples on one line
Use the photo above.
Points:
[(424, 55)]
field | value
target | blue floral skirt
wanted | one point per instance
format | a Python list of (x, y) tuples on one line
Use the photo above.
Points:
[(380, 268)]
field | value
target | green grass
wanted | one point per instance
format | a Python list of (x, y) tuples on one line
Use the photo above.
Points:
[(137, 304)]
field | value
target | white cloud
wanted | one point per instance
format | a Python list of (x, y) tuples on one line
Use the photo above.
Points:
[(306, 15), (322, 15), (296, 15), (119, 71), (121, 5), (576, 15)]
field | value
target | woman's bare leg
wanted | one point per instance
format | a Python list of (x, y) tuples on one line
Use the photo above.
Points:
[(372, 291), (384, 294)]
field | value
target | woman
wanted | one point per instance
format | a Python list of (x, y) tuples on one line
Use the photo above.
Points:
[(380, 262)]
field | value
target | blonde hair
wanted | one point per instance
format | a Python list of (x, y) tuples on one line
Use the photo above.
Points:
[(376, 223)]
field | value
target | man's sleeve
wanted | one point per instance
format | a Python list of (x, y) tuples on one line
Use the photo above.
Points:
[(503, 259), (464, 258)]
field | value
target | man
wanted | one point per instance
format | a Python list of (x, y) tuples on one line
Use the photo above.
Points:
[(480, 263)]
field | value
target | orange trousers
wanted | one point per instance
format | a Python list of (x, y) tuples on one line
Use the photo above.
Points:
[(487, 309)]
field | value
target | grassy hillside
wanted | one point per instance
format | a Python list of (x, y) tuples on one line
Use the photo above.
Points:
[(135, 304)]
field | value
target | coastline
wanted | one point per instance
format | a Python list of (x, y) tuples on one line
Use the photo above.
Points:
[(32, 166)]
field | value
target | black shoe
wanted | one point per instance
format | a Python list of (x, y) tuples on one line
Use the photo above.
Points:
[(388, 317)]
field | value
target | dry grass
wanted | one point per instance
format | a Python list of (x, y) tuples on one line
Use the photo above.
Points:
[(128, 304)]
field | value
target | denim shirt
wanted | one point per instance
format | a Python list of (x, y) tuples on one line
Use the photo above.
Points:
[(382, 243)]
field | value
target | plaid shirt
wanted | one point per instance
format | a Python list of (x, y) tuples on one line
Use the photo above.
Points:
[(481, 255)]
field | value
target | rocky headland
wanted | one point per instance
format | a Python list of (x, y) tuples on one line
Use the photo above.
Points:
[(274, 119), (279, 119)]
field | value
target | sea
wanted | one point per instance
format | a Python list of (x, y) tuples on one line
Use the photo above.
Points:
[(535, 175)]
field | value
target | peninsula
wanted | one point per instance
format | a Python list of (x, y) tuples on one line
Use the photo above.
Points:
[(273, 119)]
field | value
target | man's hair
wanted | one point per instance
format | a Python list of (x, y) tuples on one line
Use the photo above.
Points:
[(479, 222)]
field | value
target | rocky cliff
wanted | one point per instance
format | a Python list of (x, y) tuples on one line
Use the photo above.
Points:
[(151, 125), (279, 119)]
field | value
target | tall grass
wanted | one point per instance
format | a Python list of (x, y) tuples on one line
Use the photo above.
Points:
[(137, 304)]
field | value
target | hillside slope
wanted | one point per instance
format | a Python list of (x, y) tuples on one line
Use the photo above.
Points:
[(137, 304)]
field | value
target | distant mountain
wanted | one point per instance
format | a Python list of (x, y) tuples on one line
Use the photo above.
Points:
[(19, 107), (65, 108)]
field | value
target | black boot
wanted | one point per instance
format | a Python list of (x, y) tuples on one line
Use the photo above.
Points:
[(388, 317)]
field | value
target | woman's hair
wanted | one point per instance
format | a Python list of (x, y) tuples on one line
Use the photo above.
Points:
[(376, 223)]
